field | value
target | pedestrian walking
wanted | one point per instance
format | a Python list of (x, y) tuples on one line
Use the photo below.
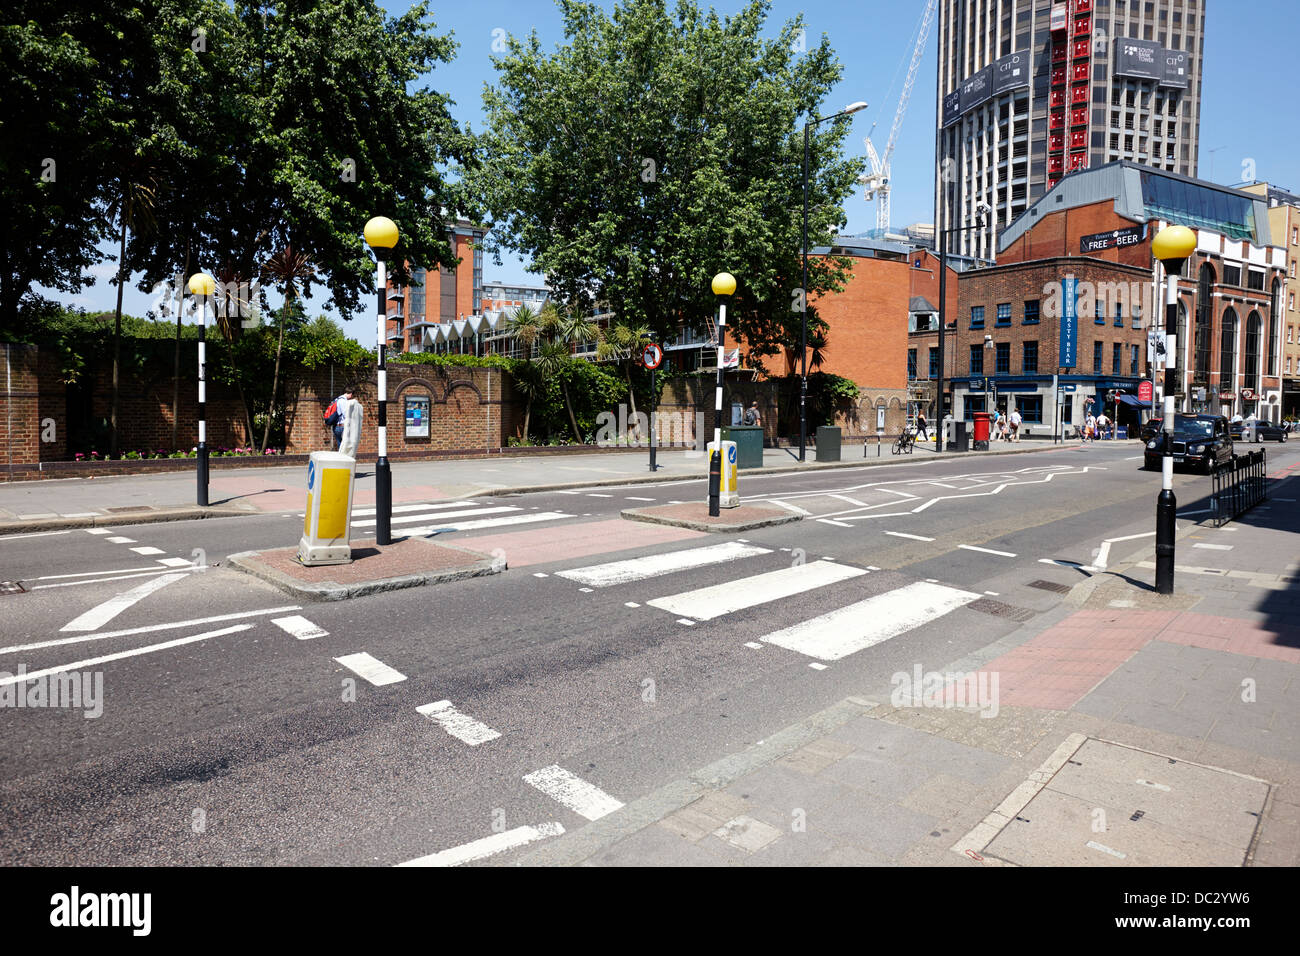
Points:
[(337, 414), (1015, 424), (920, 427), (752, 416), (1090, 428), (1103, 425)]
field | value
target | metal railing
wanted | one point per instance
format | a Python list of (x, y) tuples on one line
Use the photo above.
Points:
[(1237, 486)]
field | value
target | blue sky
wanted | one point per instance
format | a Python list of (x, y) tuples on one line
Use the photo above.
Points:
[(1252, 135)]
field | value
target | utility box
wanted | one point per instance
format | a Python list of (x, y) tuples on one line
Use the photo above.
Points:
[(728, 492), (828, 443), (749, 444), (328, 523), (958, 437)]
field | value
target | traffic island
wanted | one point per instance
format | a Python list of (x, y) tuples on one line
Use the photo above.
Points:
[(695, 515), (407, 563)]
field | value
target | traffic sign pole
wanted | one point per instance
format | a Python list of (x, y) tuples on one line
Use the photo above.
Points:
[(651, 357)]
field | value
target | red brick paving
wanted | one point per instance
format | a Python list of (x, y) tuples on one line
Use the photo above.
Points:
[(699, 511), (371, 563), (540, 545)]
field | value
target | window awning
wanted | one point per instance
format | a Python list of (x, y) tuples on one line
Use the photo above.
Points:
[(1134, 401)]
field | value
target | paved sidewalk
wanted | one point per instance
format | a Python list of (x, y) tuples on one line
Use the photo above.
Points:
[(1124, 728), (56, 502)]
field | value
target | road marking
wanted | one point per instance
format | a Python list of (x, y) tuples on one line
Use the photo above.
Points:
[(118, 539), (486, 523), (838, 524), (437, 516), (852, 501), (568, 492), (630, 604), (34, 534), (176, 562), (1103, 552), (971, 547), (461, 726), (135, 652), (148, 551), (88, 574), (754, 644), (847, 630), (299, 627), (375, 671), (117, 577), (101, 614), (1060, 564), (686, 620), (1094, 845), (488, 846), (817, 667), (1135, 458), (94, 531), (914, 537), (147, 630), (704, 604), (584, 799), (789, 507), (404, 509), (592, 494), (1213, 547), (630, 498), (639, 569)]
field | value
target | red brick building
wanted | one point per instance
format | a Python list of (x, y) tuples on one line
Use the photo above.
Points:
[(440, 306)]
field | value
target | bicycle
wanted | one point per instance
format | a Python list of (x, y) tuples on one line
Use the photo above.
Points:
[(905, 442)]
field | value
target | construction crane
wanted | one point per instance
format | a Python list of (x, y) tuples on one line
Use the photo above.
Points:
[(877, 180)]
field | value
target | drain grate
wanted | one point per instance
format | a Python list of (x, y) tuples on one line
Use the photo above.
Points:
[(998, 609), (1050, 586), (12, 587)]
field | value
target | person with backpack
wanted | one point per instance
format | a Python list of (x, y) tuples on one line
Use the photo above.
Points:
[(336, 414), (752, 416)]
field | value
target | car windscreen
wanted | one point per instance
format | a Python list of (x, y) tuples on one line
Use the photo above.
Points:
[(1193, 428)]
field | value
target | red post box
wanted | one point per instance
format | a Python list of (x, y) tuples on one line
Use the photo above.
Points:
[(983, 422)]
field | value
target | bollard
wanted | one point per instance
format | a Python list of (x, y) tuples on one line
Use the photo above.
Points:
[(328, 522)]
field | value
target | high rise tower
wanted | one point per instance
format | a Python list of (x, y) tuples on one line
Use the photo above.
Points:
[(1030, 90)]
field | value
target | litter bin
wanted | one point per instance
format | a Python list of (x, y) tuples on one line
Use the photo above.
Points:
[(749, 444), (960, 439), (983, 426), (828, 443)]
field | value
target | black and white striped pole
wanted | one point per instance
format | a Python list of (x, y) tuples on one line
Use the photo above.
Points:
[(1172, 245), (724, 285), (381, 234), (201, 286)]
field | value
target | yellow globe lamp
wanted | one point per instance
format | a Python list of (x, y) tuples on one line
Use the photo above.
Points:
[(381, 233), (724, 283), (202, 284), (1172, 246)]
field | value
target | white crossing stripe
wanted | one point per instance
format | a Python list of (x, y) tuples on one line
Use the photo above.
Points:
[(817, 667), (593, 494), (299, 627), (1213, 547), (97, 531), (377, 672), (118, 539), (148, 550), (486, 523), (789, 507), (850, 629), (914, 537), (101, 614), (461, 726), (633, 498), (584, 799), (437, 515), (971, 547), (402, 509), (488, 846), (638, 569), (704, 604), (176, 562)]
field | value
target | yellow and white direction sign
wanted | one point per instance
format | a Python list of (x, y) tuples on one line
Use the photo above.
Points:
[(728, 486), (325, 530)]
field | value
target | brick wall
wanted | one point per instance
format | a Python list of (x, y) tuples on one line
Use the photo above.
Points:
[(867, 341)]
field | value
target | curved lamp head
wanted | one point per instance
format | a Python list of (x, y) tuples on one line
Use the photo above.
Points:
[(202, 284), (1172, 245), (855, 107), (724, 283), (381, 233)]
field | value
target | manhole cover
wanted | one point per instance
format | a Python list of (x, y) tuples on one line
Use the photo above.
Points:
[(12, 587), (1110, 805), (998, 609), (1050, 586)]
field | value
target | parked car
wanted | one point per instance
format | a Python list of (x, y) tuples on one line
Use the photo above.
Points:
[(1199, 441), (1264, 431)]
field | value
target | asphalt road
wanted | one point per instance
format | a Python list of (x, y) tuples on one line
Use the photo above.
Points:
[(224, 738)]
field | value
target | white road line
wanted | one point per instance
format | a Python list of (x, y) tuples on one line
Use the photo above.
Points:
[(135, 652), (375, 671), (838, 524), (299, 627), (817, 667), (117, 577), (631, 498), (785, 504), (118, 539), (488, 846), (101, 614), (92, 531), (754, 644), (568, 492), (90, 574), (850, 629), (971, 547), (1060, 564), (1135, 458), (404, 509), (592, 494), (148, 551), (461, 726), (486, 523), (173, 625), (914, 537), (437, 515), (852, 501), (176, 562), (584, 799), (650, 566), (704, 604), (1103, 552), (34, 534), (1213, 547)]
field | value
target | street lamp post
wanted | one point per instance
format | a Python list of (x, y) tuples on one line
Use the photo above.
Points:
[(1172, 245), (943, 315), (202, 285), (803, 289), (724, 286), (381, 233)]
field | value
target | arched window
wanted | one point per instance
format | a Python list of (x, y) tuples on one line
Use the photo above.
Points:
[(1253, 325), (1274, 327), (1228, 350), (1204, 320)]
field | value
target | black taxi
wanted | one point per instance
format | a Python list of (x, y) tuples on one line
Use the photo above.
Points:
[(1199, 441)]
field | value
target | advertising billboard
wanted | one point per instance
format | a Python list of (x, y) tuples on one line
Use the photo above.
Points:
[(977, 88), (1128, 236), (1175, 69), (1010, 72), (951, 107), (1144, 59), (1069, 323)]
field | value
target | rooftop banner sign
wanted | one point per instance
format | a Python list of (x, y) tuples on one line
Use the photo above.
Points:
[(951, 107), (976, 88), (1129, 236), (1068, 348), (1010, 72), (1144, 59), (1175, 69)]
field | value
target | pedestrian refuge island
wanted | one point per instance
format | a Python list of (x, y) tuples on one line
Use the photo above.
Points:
[(328, 522)]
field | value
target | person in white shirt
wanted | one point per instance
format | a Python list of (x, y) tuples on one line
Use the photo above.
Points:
[(1015, 425)]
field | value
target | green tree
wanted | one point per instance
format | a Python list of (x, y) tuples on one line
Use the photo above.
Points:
[(623, 343), (560, 331), (522, 326), (652, 150), (293, 271)]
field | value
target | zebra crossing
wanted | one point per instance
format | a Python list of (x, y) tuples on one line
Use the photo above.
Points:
[(430, 517)]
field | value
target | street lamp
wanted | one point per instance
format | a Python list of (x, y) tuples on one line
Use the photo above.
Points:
[(202, 285), (724, 286), (803, 304), (381, 234), (1172, 245), (981, 209)]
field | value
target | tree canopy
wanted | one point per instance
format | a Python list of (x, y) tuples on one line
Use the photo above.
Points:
[(652, 150)]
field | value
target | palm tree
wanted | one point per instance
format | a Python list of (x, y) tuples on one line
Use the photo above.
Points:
[(560, 331), (293, 271), (624, 344), (522, 326)]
